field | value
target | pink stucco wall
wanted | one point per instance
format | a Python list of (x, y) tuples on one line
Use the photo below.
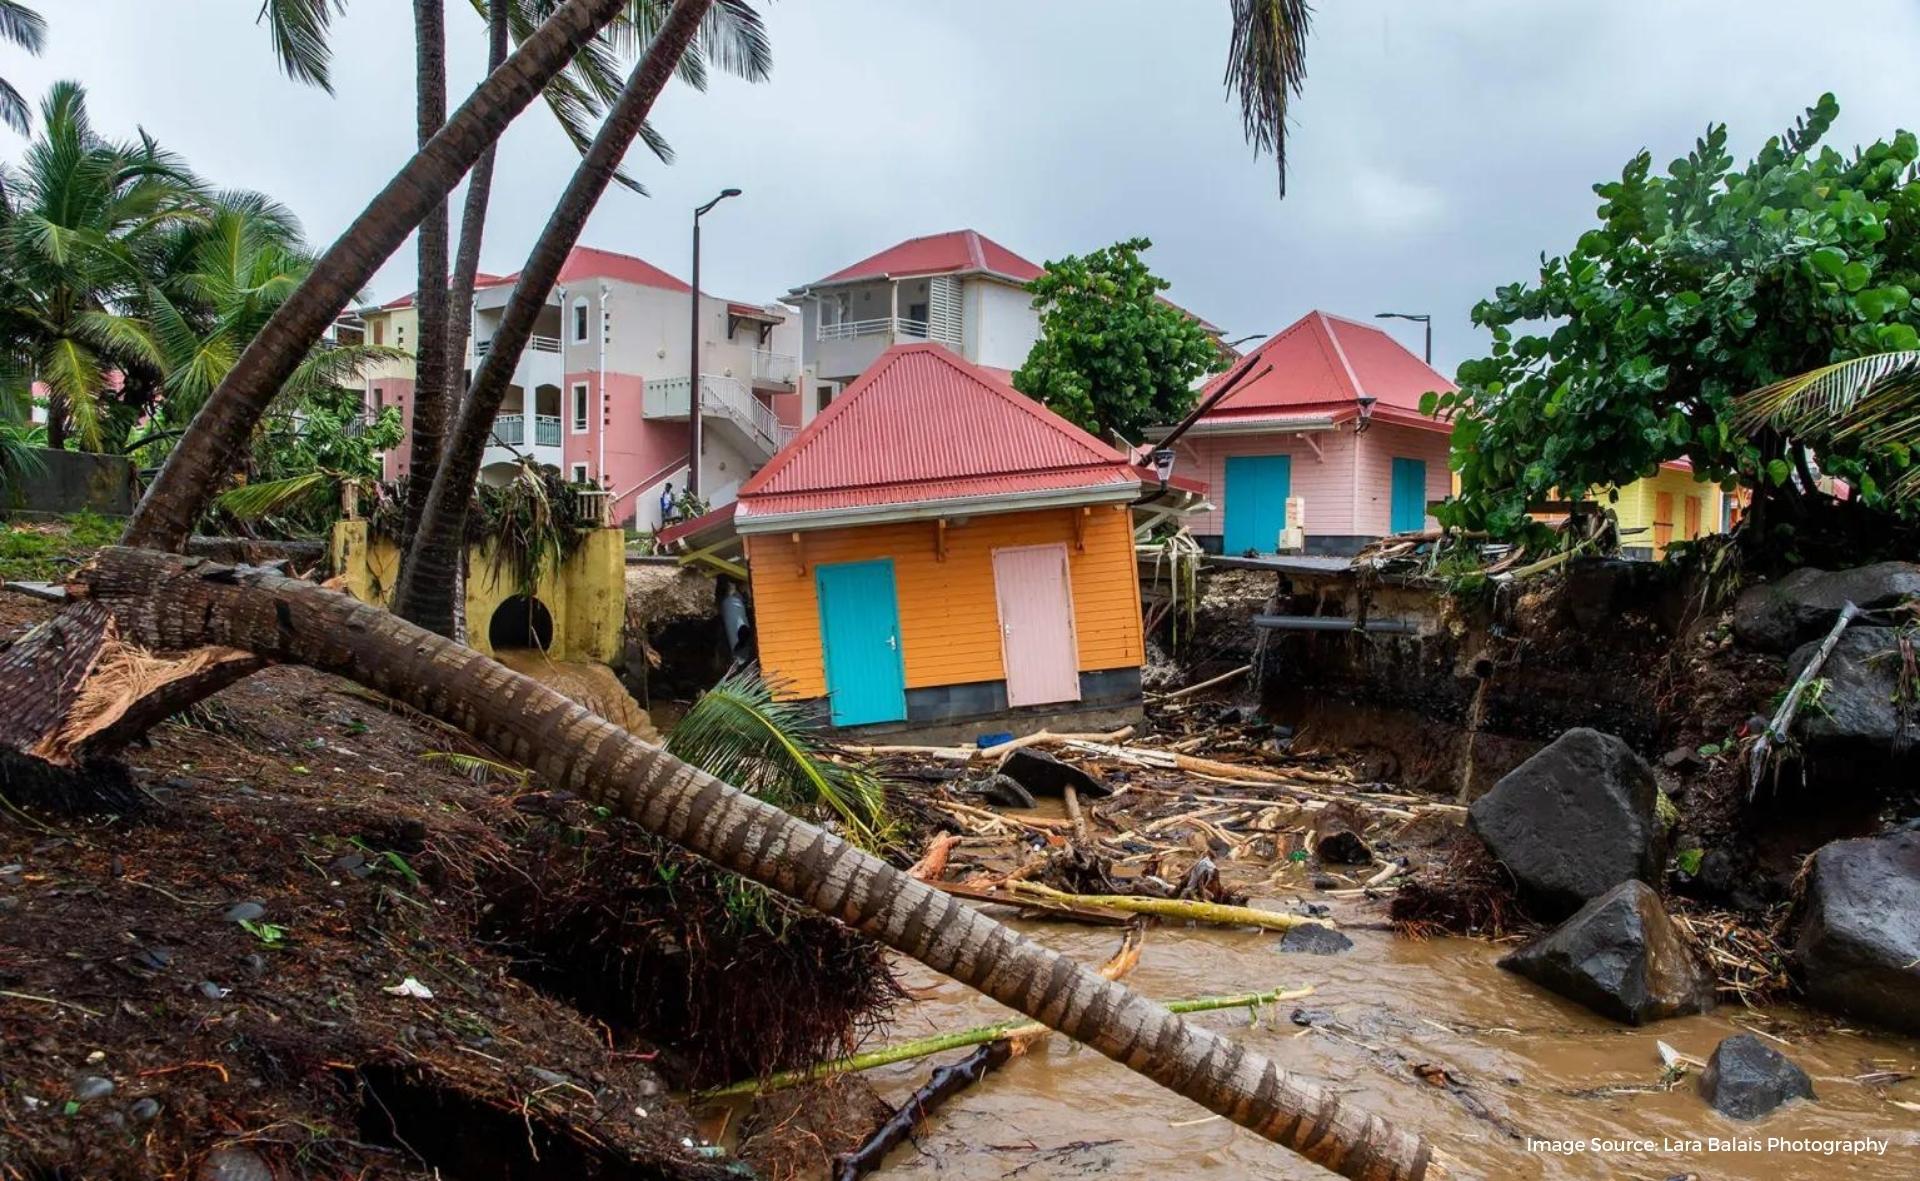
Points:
[(395, 391), (1347, 485)]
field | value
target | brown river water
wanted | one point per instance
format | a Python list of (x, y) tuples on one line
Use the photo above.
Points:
[(1536, 1065)]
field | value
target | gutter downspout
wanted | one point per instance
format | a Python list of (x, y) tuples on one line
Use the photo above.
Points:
[(566, 387), (600, 464)]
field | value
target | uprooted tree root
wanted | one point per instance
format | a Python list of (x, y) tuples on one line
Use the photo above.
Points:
[(1464, 892), (727, 977)]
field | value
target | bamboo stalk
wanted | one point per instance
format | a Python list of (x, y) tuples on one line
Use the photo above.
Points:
[(1222, 679), (921, 1047), (1783, 718), (1173, 908)]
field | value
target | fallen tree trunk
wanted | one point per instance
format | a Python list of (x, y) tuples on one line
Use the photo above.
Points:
[(173, 603)]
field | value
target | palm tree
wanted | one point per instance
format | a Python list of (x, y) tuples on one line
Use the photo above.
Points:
[(424, 591), (79, 221), (25, 28), (1868, 407), (1266, 67), (171, 604), (176, 498)]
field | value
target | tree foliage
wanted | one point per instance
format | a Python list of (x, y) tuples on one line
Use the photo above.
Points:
[(1113, 355), (1696, 286)]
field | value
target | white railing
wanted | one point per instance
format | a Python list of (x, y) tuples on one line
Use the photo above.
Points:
[(535, 344), (510, 430), (775, 368), (546, 430), (720, 397), (896, 326)]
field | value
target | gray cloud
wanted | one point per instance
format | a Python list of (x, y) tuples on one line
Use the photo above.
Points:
[(1439, 149)]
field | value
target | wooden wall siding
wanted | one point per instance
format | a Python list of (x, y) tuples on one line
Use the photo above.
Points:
[(1639, 501), (949, 617), (1348, 486)]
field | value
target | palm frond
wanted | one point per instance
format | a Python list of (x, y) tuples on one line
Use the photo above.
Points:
[(299, 30), (738, 732), (480, 770), (251, 502), (1266, 68), (22, 26), (1868, 404), (13, 109)]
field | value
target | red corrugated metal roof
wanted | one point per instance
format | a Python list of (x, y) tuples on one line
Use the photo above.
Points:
[(956, 251), (583, 263), (922, 425), (481, 279), (1324, 363)]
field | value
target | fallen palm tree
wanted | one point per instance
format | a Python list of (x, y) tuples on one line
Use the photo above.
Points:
[(172, 603)]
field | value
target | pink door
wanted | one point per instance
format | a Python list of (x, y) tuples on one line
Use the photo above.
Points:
[(1036, 624)]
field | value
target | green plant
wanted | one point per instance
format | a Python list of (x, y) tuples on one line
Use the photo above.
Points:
[(1697, 285), (1113, 355), (1688, 861), (270, 934)]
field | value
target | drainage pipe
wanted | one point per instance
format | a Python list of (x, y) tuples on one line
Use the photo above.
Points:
[(1333, 623)]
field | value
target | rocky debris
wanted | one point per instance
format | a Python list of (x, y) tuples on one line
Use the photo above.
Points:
[(234, 1164), (1682, 759), (1006, 791), (1044, 775), (1858, 721), (1620, 956), (1746, 1078), (1337, 837), (1599, 590), (1858, 941), (92, 1087), (1573, 821), (244, 912), (1314, 939), (1778, 616)]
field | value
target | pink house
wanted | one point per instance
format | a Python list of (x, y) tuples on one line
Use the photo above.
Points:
[(1327, 419), (601, 392)]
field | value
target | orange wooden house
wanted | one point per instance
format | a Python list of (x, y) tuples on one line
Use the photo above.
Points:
[(936, 550)]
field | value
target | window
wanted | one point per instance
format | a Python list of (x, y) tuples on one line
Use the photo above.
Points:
[(379, 332), (577, 473), (579, 321), (400, 336), (579, 407)]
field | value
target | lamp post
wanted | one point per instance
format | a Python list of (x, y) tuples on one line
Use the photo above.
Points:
[(693, 355), (1417, 318)]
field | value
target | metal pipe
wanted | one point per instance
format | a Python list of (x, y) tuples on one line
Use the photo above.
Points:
[(1333, 623)]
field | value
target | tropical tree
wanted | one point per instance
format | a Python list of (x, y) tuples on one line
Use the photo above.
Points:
[(23, 27), (1862, 415), (80, 220), (1113, 355), (1697, 285)]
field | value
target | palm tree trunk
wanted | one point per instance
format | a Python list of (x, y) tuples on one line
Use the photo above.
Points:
[(424, 590), (473, 227), (172, 603), (197, 467), (431, 365)]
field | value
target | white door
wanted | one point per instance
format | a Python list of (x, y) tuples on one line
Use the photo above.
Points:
[(1036, 624)]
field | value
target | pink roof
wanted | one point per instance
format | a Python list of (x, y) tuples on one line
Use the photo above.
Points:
[(583, 262), (923, 425), (480, 279), (1321, 365), (961, 251)]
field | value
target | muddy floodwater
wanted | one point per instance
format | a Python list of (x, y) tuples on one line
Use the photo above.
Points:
[(1532, 1064)]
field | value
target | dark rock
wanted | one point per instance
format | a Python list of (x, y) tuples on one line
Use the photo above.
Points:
[(92, 1087), (1780, 615), (255, 963), (1857, 729), (1311, 1017), (1006, 792), (1682, 758), (1619, 956), (233, 1164), (144, 1110), (211, 991), (1746, 1078), (1573, 821), (243, 912), (1597, 590), (1726, 878), (1324, 881), (1044, 775), (1858, 941), (1315, 939)]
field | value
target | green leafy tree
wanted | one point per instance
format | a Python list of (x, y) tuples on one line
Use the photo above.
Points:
[(1696, 286), (1113, 355)]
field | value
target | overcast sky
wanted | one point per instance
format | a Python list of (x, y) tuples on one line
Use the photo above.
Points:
[(1440, 147)]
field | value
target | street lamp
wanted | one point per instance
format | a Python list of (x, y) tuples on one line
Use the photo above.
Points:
[(1417, 318), (693, 361)]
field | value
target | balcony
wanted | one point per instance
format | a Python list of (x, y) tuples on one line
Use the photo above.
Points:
[(775, 369), (897, 327), (510, 430), (723, 399), (535, 344)]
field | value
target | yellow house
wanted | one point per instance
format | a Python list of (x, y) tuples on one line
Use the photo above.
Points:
[(1671, 505), (936, 551)]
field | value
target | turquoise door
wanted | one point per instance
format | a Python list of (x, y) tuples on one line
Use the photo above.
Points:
[(860, 639), (1409, 495), (1257, 489)]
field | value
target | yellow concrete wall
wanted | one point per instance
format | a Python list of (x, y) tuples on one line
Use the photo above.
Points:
[(586, 595), (949, 614)]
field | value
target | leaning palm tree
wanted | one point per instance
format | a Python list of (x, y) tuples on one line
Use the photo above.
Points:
[(1266, 68), (1868, 406), (23, 27), (79, 219)]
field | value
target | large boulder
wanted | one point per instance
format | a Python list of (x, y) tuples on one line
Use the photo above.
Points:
[(1858, 940), (1573, 821), (1858, 727), (1781, 615), (1619, 956), (1746, 1078)]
